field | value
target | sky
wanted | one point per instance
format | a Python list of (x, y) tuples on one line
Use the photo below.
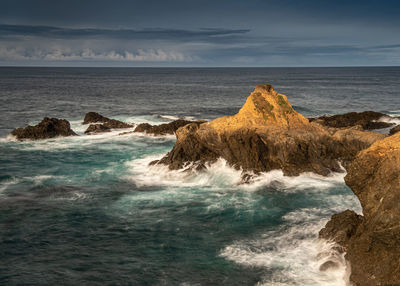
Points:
[(209, 33)]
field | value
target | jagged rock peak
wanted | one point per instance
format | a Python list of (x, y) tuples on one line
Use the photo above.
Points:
[(264, 108)]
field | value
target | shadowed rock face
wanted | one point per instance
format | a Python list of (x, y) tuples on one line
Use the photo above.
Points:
[(394, 130), (373, 244), (47, 128), (94, 117), (367, 120), (97, 128), (166, 128), (105, 126), (266, 134)]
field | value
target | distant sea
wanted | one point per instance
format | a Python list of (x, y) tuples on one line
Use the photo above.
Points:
[(89, 210)]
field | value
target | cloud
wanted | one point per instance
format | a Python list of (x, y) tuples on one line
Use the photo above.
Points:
[(17, 31), (67, 54)]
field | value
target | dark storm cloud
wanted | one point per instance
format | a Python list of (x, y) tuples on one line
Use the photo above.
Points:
[(252, 32), (126, 34)]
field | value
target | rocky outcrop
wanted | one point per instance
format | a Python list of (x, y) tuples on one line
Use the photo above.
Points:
[(47, 128), (166, 128), (94, 117), (103, 124), (97, 128), (266, 134), (372, 242), (368, 120), (394, 130)]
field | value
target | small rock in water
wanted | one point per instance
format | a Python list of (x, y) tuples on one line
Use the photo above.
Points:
[(329, 265), (367, 120), (47, 128), (97, 128), (166, 128), (106, 123)]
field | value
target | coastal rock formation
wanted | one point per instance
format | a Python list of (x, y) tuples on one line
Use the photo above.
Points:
[(394, 130), (166, 128), (372, 242), (47, 128), (266, 134), (97, 128), (105, 125), (368, 120)]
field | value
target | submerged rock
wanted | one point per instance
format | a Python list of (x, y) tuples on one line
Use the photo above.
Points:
[(266, 134), (373, 242), (166, 128), (105, 126), (367, 120), (47, 128)]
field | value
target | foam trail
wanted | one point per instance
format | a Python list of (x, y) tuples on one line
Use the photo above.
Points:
[(295, 254), (218, 174), (389, 119), (221, 174)]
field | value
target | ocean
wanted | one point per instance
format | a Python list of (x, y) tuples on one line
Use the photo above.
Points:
[(89, 210)]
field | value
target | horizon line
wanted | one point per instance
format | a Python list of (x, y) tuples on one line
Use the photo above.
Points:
[(194, 67)]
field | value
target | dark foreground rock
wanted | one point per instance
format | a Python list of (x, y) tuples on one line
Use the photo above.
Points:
[(266, 134), (367, 120), (106, 123), (47, 128), (394, 130), (166, 128), (372, 242)]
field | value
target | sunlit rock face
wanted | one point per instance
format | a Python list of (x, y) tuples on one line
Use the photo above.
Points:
[(266, 134)]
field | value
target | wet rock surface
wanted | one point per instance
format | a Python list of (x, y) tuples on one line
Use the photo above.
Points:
[(94, 117), (166, 128), (97, 128), (267, 134), (47, 128), (105, 125), (394, 130), (368, 120), (372, 242)]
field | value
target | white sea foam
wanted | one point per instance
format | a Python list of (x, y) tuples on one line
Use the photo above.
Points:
[(9, 182), (389, 119), (220, 174), (293, 251), (169, 117), (394, 113), (294, 254), (217, 175), (8, 138), (84, 141)]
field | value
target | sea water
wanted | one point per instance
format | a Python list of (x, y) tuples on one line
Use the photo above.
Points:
[(90, 210)]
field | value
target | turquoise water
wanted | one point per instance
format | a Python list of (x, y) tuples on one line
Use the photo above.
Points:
[(89, 209)]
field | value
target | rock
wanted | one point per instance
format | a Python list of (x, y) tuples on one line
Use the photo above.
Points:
[(116, 124), (97, 128), (266, 134), (94, 117), (394, 130), (328, 265), (166, 128), (105, 126), (373, 247), (47, 128), (367, 120), (341, 227)]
